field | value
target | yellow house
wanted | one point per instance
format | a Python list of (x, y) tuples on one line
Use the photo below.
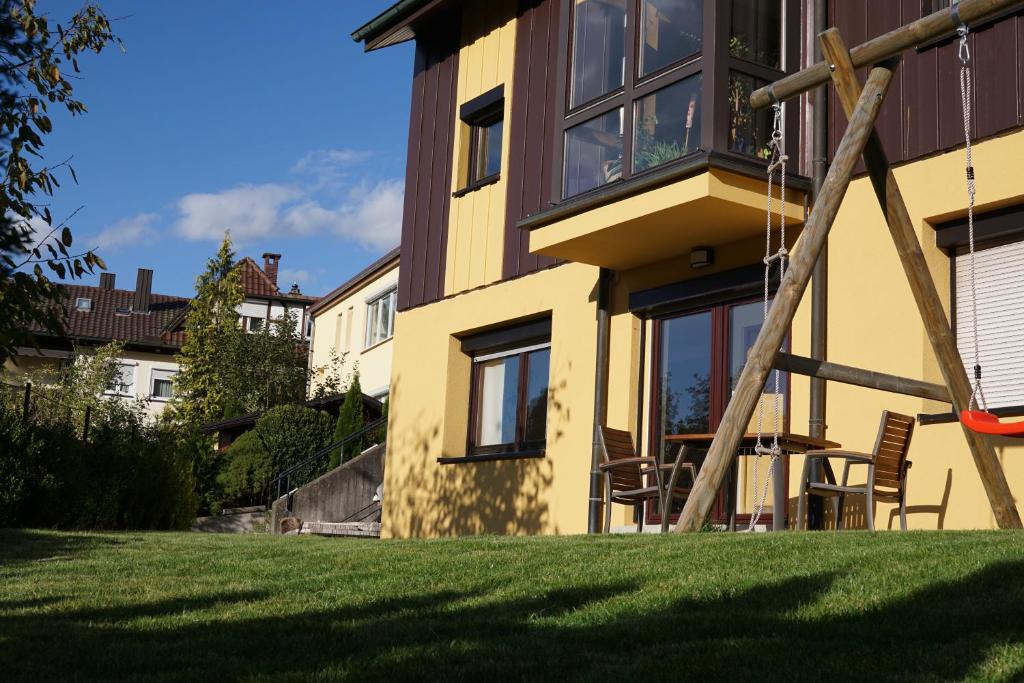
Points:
[(582, 245), (355, 323)]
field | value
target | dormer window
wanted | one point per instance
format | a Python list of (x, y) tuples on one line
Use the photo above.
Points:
[(83, 304)]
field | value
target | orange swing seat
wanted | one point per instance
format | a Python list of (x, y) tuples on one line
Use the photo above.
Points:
[(984, 422)]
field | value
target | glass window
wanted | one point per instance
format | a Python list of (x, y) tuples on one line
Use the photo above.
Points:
[(599, 49), (671, 30), (684, 382), (667, 124), (83, 304), (485, 154), (254, 324), (510, 400), (593, 153), (749, 131), (756, 31), (124, 382), (163, 384), (498, 400), (380, 318), (537, 395)]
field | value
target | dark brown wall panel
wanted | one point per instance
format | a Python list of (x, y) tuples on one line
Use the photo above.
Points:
[(429, 164), (531, 129), (922, 114)]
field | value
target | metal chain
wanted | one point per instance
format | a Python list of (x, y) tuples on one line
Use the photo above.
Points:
[(777, 163), (977, 394)]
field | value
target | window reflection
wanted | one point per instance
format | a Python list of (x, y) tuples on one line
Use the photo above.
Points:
[(598, 48), (670, 31), (667, 124), (593, 153), (749, 131), (756, 31), (684, 381)]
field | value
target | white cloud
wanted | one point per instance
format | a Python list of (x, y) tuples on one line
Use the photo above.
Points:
[(288, 276), (248, 211), (319, 158), (370, 214), (126, 232)]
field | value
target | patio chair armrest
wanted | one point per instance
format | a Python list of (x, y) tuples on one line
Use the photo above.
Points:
[(853, 457), (624, 462)]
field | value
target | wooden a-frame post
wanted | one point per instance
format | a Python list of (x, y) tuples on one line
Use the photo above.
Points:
[(791, 289), (860, 138), (933, 315)]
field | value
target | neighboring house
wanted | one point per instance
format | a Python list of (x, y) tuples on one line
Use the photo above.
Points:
[(568, 158), (356, 321), (144, 322), (264, 300)]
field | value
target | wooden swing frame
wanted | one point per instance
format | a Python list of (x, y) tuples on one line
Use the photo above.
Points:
[(862, 105)]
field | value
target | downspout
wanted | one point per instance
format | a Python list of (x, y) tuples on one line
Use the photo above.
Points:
[(600, 399), (819, 284)]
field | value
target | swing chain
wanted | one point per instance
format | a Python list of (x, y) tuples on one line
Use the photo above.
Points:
[(776, 164), (966, 97)]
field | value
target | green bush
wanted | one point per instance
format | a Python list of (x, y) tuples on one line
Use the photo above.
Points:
[(284, 436), (128, 475)]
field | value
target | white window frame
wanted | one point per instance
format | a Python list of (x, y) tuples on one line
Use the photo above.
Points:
[(88, 304), (380, 329), (168, 374)]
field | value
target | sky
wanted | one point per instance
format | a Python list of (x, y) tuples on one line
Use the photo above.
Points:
[(256, 116)]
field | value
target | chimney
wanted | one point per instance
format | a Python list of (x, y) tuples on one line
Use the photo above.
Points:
[(107, 281), (143, 289), (270, 262)]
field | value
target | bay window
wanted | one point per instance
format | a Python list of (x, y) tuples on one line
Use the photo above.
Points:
[(652, 82)]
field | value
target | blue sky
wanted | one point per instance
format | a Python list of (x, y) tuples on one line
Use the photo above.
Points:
[(258, 116)]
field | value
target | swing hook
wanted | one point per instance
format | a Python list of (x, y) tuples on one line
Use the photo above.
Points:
[(962, 31)]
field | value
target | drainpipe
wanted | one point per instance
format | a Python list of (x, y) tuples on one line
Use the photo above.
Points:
[(600, 399), (819, 284)]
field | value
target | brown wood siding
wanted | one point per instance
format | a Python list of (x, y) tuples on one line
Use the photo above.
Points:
[(428, 176), (531, 130), (922, 113)]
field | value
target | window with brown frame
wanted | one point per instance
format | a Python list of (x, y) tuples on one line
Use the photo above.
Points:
[(509, 401), (641, 92), (484, 117)]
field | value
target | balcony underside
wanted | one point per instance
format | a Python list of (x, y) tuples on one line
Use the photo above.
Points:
[(713, 208)]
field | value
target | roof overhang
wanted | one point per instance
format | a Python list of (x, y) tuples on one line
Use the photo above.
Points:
[(396, 24)]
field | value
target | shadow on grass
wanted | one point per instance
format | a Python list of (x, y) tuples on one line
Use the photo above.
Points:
[(599, 631), (18, 546)]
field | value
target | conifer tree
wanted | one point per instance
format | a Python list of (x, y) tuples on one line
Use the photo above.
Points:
[(350, 421), (211, 326)]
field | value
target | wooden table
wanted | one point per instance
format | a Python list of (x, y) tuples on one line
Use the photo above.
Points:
[(788, 442)]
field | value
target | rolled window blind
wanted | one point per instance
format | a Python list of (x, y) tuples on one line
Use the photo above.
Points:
[(1000, 287)]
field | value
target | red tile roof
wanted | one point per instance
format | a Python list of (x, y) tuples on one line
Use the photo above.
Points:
[(256, 284), (104, 323)]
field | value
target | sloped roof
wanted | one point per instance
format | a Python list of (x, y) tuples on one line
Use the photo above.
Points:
[(104, 322), (256, 283)]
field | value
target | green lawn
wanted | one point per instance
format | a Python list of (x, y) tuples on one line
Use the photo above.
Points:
[(850, 606)]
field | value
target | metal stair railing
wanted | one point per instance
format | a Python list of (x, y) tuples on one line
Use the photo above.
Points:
[(302, 473)]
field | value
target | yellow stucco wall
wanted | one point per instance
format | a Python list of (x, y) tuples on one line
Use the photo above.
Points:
[(430, 409), (873, 323), (341, 327), (476, 225)]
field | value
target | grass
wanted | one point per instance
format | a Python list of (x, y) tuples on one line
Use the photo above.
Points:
[(850, 606)]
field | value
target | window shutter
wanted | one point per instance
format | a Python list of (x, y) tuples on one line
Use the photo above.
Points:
[(1000, 288)]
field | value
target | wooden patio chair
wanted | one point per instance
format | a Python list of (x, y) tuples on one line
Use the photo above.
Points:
[(625, 478), (887, 472)]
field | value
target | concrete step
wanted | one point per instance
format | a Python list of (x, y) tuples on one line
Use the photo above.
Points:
[(345, 529)]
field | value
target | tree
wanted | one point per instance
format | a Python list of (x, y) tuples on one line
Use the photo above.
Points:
[(267, 367), (284, 436), (350, 421), (211, 332), (34, 63)]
